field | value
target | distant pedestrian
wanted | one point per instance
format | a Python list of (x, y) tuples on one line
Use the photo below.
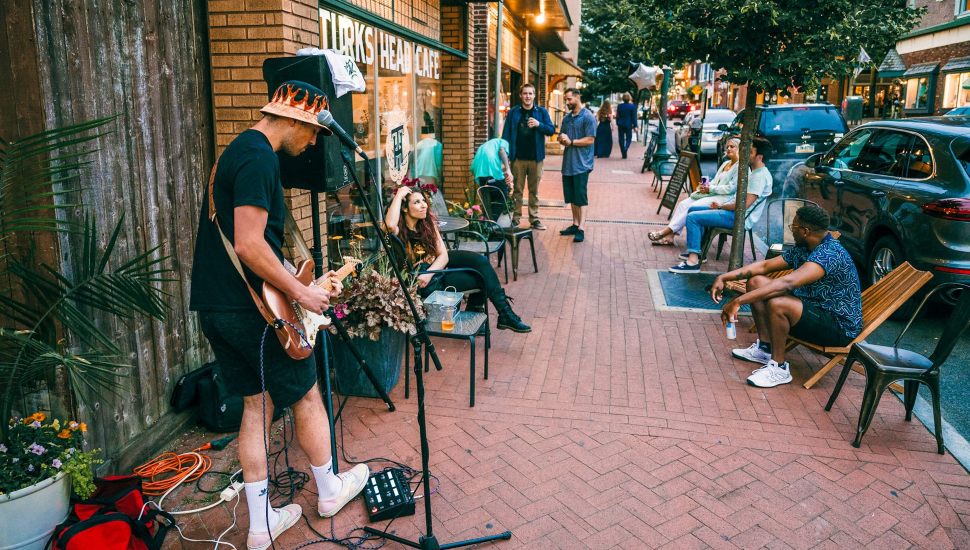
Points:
[(526, 129), (490, 166), (626, 121), (604, 131), (576, 135)]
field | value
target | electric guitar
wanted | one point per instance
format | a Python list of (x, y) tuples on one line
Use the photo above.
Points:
[(296, 319)]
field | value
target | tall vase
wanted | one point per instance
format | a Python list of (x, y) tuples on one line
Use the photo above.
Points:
[(28, 516), (383, 357)]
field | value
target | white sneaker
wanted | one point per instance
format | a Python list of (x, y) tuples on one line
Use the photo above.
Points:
[(289, 515), (753, 353), (353, 482), (770, 375)]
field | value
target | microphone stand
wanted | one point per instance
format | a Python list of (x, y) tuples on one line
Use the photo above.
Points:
[(427, 541)]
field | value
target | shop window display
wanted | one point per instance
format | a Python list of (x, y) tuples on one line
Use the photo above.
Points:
[(956, 90), (917, 93)]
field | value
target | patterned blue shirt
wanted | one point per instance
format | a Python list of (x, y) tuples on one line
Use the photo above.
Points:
[(838, 291)]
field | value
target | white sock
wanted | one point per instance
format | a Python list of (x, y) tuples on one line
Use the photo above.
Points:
[(257, 497), (328, 484)]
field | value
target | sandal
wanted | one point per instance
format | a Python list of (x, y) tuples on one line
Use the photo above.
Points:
[(657, 239), (655, 235), (663, 242)]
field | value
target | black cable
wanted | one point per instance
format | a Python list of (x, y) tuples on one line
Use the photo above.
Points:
[(198, 482)]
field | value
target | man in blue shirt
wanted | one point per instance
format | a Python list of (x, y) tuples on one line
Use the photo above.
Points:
[(526, 129), (626, 120), (819, 302), (576, 135)]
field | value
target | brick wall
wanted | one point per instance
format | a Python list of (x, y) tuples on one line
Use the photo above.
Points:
[(242, 34), (937, 12), (464, 85)]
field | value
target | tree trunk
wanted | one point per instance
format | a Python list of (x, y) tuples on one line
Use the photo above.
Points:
[(744, 154)]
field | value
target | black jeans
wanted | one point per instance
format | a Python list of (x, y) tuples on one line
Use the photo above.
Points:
[(463, 281), (626, 136)]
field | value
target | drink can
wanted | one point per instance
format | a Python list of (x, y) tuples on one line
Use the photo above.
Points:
[(732, 331), (704, 180)]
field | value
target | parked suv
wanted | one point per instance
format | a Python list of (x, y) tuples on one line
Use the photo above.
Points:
[(677, 108), (795, 131), (897, 190)]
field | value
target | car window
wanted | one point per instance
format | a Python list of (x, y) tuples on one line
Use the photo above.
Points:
[(920, 159), (885, 154), (800, 119), (845, 153), (719, 117)]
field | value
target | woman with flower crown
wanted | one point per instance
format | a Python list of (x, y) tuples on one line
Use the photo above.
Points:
[(409, 217)]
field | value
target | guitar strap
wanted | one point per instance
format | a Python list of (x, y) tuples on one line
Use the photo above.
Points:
[(230, 250)]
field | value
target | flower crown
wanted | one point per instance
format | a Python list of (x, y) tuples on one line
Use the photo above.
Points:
[(415, 183)]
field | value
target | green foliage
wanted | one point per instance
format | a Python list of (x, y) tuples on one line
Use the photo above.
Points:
[(49, 322), (607, 47), (34, 451)]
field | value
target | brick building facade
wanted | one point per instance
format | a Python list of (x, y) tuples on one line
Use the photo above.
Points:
[(447, 107)]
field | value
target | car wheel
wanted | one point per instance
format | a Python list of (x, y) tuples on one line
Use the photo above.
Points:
[(886, 255)]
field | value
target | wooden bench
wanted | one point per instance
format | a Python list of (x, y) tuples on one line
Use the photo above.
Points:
[(879, 301)]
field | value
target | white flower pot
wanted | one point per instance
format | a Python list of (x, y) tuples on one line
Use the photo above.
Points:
[(28, 516)]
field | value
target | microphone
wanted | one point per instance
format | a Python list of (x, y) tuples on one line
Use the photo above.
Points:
[(325, 118)]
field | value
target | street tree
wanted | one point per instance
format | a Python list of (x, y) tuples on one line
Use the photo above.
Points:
[(770, 45), (606, 50)]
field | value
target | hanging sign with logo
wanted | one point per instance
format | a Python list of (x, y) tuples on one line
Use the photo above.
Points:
[(397, 145), (369, 45)]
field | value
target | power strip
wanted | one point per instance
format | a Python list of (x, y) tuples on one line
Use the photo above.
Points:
[(231, 491), (388, 495)]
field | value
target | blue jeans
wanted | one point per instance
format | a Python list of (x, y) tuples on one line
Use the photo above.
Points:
[(701, 217), (626, 136)]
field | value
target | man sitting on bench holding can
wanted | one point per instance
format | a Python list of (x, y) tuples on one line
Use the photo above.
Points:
[(819, 302)]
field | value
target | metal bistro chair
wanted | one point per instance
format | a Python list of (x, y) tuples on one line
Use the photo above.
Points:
[(469, 325), (722, 233), (493, 201), (788, 207), (885, 365)]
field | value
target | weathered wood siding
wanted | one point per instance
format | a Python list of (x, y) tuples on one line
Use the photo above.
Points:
[(146, 61)]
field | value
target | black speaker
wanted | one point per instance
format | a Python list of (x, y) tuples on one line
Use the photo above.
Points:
[(319, 168)]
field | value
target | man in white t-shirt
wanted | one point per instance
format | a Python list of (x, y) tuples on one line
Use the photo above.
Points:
[(717, 214)]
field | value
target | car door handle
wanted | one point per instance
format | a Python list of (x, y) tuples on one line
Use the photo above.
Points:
[(877, 193)]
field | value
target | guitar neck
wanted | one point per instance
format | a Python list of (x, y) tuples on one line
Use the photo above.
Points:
[(342, 274)]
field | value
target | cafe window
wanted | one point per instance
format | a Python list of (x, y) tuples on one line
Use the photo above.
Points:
[(956, 90), (917, 93)]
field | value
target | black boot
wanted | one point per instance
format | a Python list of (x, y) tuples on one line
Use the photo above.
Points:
[(507, 319)]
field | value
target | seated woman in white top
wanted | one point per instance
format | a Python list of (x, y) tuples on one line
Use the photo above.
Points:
[(724, 184)]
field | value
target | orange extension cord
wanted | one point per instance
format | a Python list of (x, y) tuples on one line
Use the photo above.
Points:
[(169, 469)]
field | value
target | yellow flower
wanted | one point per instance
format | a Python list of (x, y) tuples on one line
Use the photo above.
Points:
[(56, 424), (64, 434), (466, 205)]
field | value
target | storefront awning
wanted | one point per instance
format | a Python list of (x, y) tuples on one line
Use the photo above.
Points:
[(892, 65), (957, 64), (922, 69), (556, 13), (557, 65), (548, 40)]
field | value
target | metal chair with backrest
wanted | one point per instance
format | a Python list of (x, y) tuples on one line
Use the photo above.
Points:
[(722, 233), (494, 203), (787, 207), (469, 325), (885, 365)]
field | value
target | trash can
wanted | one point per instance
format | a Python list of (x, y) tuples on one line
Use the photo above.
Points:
[(852, 109)]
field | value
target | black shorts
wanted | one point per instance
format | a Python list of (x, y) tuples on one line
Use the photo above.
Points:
[(574, 189), (819, 327), (235, 338)]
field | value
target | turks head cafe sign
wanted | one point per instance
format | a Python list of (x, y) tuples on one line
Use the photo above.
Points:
[(367, 45)]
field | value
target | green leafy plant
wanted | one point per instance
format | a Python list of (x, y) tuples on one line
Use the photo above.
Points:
[(49, 313), (34, 451), (373, 299)]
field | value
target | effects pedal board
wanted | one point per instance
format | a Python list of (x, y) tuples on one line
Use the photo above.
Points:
[(388, 495)]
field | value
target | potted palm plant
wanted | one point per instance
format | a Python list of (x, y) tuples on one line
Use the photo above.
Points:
[(50, 336)]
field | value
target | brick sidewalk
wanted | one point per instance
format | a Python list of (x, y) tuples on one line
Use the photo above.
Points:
[(614, 425)]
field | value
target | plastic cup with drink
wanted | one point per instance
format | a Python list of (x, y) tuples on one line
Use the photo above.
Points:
[(448, 318)]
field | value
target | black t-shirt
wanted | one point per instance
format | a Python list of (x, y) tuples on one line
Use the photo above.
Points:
[(248, 175), (525, 139)]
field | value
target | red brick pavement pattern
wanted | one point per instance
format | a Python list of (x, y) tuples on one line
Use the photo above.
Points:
[(614, 425)]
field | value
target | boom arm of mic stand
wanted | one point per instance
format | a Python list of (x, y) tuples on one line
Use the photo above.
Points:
[(419, 321)]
